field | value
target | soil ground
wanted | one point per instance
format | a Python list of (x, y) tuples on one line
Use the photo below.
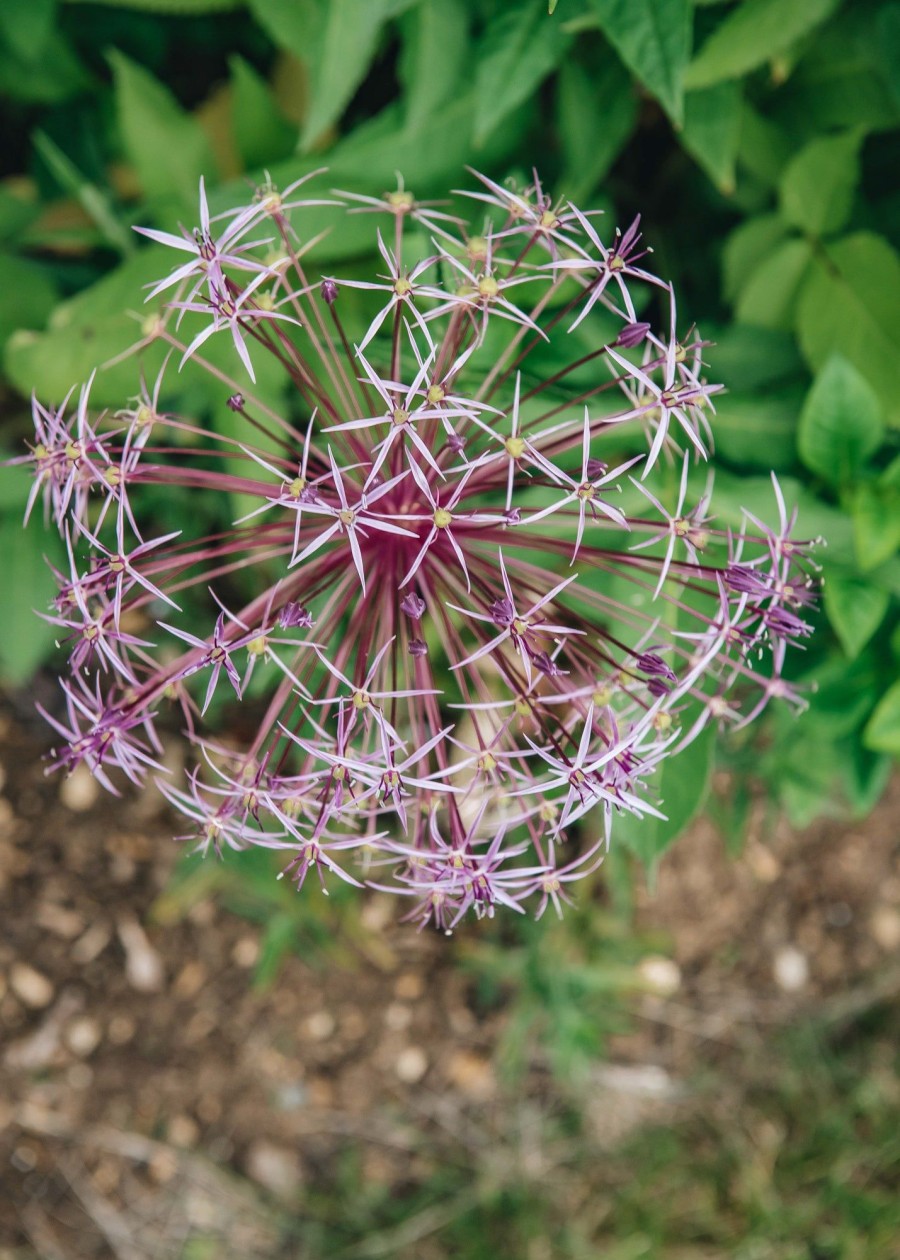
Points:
[(153, 1095)]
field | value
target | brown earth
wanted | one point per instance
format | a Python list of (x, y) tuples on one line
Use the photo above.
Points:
[(150, 1091)]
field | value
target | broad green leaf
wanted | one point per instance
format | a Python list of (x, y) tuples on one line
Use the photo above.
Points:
[(840, 426), (866, 776), (93, 200), (346, 48), (759, 429), (855, 610), (653, 38), (27, 295), (752, 359), (55, 76), (518, 50), (26, 26), (882, 734), (29, 587), (296, 26), (876, 523), (745, 248), (850, 304), (84, 332), (682, 787), (770, 294), (261, 133), (596, 113), (17, 212), (435, 48), (712, 130), (751, 34), (819, 184), (180, 8), (765, 148), (887, 44), (167, 147)]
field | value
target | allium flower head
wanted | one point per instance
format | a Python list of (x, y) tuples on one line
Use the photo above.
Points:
[(465, 630)]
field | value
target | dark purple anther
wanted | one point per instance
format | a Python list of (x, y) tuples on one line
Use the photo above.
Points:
[(658, 687), (329, 292), (294, 615), (412, 606), (543, 662), (236, 402), (632, 335), (740, 577), (655, 666), (502, 612), (417, 647), (596, 468)]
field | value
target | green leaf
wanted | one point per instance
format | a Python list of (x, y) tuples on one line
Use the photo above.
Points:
[(840, 425), (596, 112), (167, 147), (653, 38), (27, 295), (295, 27), (183, 8), (855, 610), (435, 48), (758, 429), (54, 77), (765, 148), (753, 359), (712, 130), (887, 44), (751, 34), (261, 133), (745, 248), (345, 50), (518, 50), (93, 200), (876, 523), (819, 184), (683, 785), (29, 586), (882, 734), (27, 27), (850, 305), (84, 332), (771, 292)]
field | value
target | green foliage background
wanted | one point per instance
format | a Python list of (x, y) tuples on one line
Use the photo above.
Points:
[(758, 138)]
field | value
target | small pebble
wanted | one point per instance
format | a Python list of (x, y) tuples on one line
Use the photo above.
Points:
[(397, 1016), (411, 1065), (319, 1026), (274, 1168), (82, 1036), (143, 965), (472, 1074), (791, 969), (56, 919), (30, 986), (246, 952), (79, 791), (409, 986), (91, 944), (662, 975), (182, 1131), (121, 1029), (885, 927)]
